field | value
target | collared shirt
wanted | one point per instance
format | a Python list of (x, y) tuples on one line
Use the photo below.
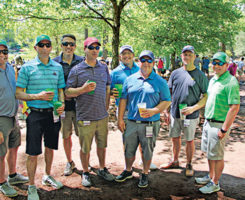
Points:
[(36, 77), (70, 105), (222, 92), (119, 75), (152, 91), (8, 102), (90, 107)]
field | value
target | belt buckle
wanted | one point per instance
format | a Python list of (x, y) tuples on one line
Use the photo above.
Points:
[(41, 110)]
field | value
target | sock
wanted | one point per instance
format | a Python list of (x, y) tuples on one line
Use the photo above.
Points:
[(12, 175), (3, 182)]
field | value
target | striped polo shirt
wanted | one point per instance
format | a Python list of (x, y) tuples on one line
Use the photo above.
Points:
[(90, 107), (222, 92), (36, 77)]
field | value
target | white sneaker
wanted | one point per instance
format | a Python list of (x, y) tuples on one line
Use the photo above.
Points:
[(152, 166), (50, 181), (32, 193), (69, 168)]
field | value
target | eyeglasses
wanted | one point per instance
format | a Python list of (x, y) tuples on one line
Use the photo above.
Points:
[(146, 60), (41, 45), (5, 51), (218, 63), (72, 44), (92, 47)]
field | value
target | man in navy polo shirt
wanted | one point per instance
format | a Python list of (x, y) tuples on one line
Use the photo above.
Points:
[(36, 76), (142, 128), (68, 60), (89, 82)]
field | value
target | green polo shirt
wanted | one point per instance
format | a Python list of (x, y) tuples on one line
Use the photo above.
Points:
[(222, 92)]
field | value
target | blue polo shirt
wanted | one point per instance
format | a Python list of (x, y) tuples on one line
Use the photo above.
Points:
[(90, 107), (119, 75), (8, 102), (36, 77), (152, 90)]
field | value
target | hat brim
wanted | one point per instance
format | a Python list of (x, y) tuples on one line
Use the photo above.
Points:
[(141, 56)]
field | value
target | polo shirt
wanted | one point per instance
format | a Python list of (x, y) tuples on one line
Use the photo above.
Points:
[(119, 75), (90, 107), (152, 91), (205, 63), (8, 102), (222, 92), (36, 77), (70, 105), (187, 87)]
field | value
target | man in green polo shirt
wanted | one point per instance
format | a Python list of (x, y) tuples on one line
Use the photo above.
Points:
[(222, 106)]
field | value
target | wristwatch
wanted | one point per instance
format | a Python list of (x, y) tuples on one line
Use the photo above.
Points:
[(223, 131)]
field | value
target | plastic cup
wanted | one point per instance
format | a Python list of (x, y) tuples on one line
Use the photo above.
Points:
[(57, 104), (141, 107), (50, 90), (182, 106), (119, 89), (91, 92)]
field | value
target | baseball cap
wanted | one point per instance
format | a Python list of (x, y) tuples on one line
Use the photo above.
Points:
[(42, 37), (91, 40), (126, 47), (4, 43), (147, 53), (221, 56), (188, 48)]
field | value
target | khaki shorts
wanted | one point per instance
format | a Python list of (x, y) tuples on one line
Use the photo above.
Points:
[(66, 124), (11, 134), (177, 125), (86, 133), (211, 144)]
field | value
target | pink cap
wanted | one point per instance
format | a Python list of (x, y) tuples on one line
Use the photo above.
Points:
[(91, 40)]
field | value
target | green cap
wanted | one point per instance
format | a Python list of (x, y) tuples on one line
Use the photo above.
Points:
[(42, 37), (221, 56), (4, 43)]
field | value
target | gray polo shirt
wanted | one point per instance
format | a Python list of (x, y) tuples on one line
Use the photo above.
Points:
[(8, 102), (90, 107)]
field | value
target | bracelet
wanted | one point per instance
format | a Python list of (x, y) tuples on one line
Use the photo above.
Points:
[(223, 131)]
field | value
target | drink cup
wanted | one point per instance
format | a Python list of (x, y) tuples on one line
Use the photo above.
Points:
[(141, 107), (57, 104), (91, 92), (50, 90), (119, 89), (181, 107)]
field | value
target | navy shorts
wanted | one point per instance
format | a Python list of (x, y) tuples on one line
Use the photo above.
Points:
[(41, 124)]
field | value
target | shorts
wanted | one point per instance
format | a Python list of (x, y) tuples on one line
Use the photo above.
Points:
[(135, 134), (86, 133), (240, 72), (11, 134), (66, 124), (211, 144), (177, 125), (38, 125)]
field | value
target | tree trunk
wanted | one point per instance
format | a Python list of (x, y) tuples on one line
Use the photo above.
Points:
[(115, 46), (57, 50), (85, 33), (105, 41), (173, 66)]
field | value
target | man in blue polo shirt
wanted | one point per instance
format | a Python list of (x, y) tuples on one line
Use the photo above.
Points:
[(36, 77), (142, 128), (89, 82), (68, 60), (9, 132)]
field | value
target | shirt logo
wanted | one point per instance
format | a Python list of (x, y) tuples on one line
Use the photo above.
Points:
[(54, 74)]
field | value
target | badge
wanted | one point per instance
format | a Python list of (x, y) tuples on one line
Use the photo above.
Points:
[(149, 131), (187, 122)]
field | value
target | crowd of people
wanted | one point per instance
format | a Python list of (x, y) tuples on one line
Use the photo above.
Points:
[(74, 91)]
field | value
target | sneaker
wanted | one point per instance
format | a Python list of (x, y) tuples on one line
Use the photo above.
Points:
[(170, 165), (7, 190), (189, 170), (32, 193), (211, 187), (69, 168), (18, 179), (152, 166), (203, 180), (124, 176), (104, 173), (50, 181), (86, 181), (143, 183)]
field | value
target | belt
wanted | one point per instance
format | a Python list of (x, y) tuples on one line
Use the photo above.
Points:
[(213, 120), (41, 109), (141, 122)]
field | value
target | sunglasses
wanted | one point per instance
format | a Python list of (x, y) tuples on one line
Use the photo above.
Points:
[(72, 44), (146, 60), (92, 47), (41, 45), (5, 51), (218, 63)]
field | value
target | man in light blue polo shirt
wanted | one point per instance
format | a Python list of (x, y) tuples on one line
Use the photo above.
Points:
[(142, 128), (38, 76)]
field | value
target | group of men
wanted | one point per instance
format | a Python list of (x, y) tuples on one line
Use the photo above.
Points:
[(84, 86)]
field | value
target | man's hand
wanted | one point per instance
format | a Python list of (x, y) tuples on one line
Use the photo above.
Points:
[(88, 87), (146, 113), (121, 125), (166, 117), (188, 110), (221, 135), (115, 93), (60, 110), (46, 96), (1, 138)]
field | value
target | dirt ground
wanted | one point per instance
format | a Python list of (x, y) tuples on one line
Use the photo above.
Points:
[(167, 184)]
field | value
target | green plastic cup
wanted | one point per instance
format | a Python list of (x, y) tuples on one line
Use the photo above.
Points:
[(119, 89), (182, 106), (57, 104), (91, 92)]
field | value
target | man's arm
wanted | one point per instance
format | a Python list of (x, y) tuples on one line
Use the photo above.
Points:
[(74, 92), (163, 105), (121, 111), (22, 95), (107, 96)]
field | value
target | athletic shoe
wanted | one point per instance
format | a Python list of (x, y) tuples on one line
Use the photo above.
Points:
[(189, 170), (104, 173), (86, 181), (18, 179), (143, 183), (152, 166), (203, 180), (170, 165), (7, 190), (69, 168), (210, 188), (32, 193), (50, 181), (124, 176)]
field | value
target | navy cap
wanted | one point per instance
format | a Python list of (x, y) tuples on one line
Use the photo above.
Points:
[(188, 48), (126, 47), (147, 53)]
